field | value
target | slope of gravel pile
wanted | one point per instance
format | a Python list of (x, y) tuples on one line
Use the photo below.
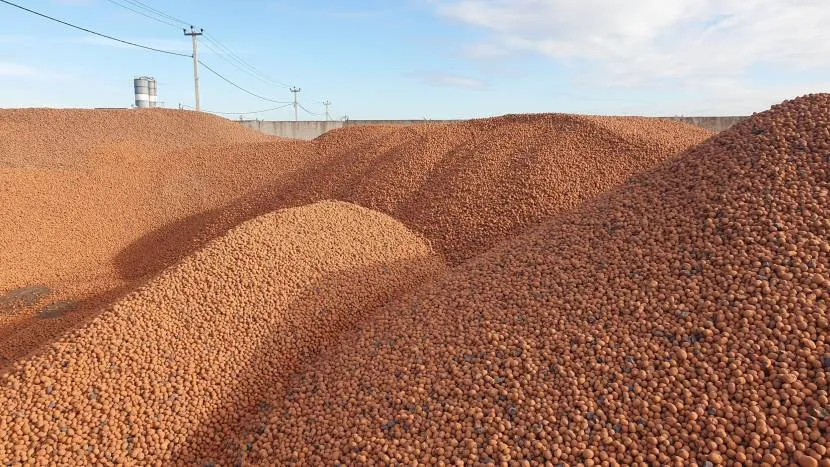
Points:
[(65, 138), (81, 231), (121, 195), (680, 319), (469, 185), (181, 369)]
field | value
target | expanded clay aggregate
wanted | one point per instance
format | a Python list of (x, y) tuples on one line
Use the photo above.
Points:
[(96, 186), (180, 370), (469, 185), (681, 319), (118, 209), (64, 138)]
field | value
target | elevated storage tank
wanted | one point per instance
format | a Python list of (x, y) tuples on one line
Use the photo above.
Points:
[(153, 93), (145, 92)]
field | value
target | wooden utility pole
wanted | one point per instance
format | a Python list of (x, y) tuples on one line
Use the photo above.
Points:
[(193, 34)]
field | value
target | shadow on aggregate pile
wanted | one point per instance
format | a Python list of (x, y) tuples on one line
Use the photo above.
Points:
[(31, 328), (237, 423), (432, 179), (337, 179)]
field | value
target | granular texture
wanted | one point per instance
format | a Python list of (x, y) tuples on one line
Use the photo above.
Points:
[(64, 138), (103, 200), (681, 319), (83, 191), (184, 368), (469, 185)]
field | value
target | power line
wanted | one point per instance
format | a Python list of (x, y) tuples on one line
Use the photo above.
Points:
[(93, 32), (227, 59), (168, 52), (154, 18), (243, 63), (146, 7), (310, 112), (236, 85), (240, 113), (224, 52)]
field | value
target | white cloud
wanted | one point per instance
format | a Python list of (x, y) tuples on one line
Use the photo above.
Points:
[(15, 69), (446, 79), (623, 43)]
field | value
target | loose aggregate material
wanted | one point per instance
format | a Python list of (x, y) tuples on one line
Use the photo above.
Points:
[(469, 185), (103, 200), (81, 188), (182, 369), (681, 319)]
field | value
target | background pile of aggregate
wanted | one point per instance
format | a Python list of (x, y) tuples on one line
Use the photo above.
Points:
[(680, 319), (95, 202), (80, 187), (183, 368)]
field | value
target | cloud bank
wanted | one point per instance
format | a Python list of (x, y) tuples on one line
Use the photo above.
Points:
[(715, 45)]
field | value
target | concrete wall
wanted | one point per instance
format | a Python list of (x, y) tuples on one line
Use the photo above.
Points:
[(294, 130), (309, 130), (715, 124)]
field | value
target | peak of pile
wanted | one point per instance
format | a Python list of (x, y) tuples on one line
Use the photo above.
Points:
[(183, 368), (681, 319), (65, 138), (467, 186), (150, 186), (93, 234)]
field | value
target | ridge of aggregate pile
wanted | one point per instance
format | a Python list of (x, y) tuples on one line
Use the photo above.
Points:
[(470, 185), (78, 230), (466, 186), (681, 319), (130, 193), (64, 138), (177, 371)]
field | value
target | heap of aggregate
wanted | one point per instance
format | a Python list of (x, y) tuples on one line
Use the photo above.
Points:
[(63, 138), (121, 203), (470, 185), (114, 208), (467, 186), (178, 370), (680, 319), (116, 178)]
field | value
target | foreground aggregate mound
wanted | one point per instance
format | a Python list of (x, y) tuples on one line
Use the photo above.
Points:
[(80, 231), (680, 319), (182, 368)]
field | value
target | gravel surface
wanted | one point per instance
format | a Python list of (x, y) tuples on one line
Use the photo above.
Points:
[(679, 319), (181, 370), (130, 193), (114, 180)]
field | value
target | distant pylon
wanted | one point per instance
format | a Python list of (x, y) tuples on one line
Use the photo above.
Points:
[(327, 103), (296, 91)]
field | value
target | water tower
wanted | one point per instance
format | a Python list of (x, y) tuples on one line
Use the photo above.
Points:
[(146, 94)]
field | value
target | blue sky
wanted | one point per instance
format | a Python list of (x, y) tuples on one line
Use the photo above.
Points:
[(435, 59)]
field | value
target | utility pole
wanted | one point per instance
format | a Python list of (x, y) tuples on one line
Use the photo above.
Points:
[(296, 91), (193, 34), (327, 104)]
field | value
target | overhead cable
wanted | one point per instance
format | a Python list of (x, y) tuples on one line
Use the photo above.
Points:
[(238, 86), (240, 113), (154, 18), (152, 10), (242, 62), (93, 32)]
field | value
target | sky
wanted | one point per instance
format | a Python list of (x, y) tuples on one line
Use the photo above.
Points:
[(423, 59)]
